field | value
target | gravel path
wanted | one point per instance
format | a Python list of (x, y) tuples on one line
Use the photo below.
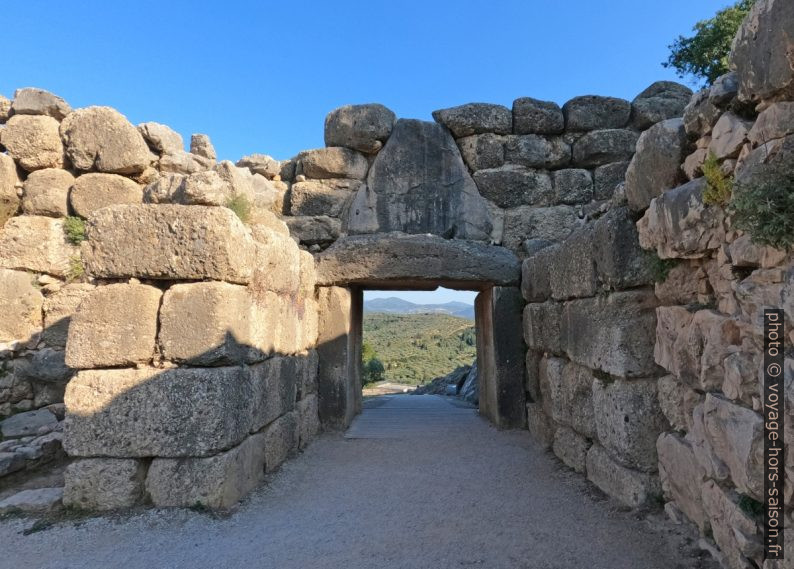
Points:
[(416, 483)]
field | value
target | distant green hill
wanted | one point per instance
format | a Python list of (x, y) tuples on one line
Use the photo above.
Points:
[(416, 348)]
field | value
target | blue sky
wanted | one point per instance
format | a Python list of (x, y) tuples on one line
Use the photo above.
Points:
[(261, 76)]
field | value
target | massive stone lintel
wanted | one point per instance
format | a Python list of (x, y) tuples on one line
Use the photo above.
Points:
[(397, 258)]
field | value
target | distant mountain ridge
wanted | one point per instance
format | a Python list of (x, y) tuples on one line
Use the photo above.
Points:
[(394, 305)]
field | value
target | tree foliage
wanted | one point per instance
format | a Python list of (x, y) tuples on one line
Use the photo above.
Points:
[(704, 56)]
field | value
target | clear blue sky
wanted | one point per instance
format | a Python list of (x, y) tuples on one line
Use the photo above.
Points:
[(261, 76)]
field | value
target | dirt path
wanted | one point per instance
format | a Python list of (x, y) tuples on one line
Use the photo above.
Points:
[(417, 483)]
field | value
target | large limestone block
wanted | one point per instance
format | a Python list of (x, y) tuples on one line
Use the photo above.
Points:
[(161, 138), (660, 101), (281, 440), (629, 421), (614, 334), (171, 242), (682, 476), (541, 428), (735, 532), (148, 411), (210, 323), (511, 185), (573, 186), (32, 101), (218, 481), (700, 114), (361, 127), (729, 136), (101, 138), (553, 223), (629, 487), (95, 191), (9, 180), (200, 145), (533, 116), (776, 121), (736, 435), (678, 402), (314, 229), (59, 308), (570, 390), (542, 326), (606, 179), (284, 324), (475, 118), (323, 197), (572, 270), (396, 257), (336, 398), (104, 483), (418, 183), (278, 262), (309, 420), (36, 243), (262, 164), (20, 307), (333, 162), (601, 147), (534, 151), (275, 385), (592, 112), (115, 325), (482, 151), (535, 284), (656, 166), (33, 141), (47, 192), (571, 448), (620, 261), (678, 223), (761, 52)]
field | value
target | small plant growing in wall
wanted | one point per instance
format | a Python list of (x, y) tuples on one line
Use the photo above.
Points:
[(76, 270), (750, 506), (241, 206), (660, 268), (763, 205), (74, 227), (718, 185)]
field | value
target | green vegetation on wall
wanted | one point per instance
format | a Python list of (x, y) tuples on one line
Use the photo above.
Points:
[(704, 56), (763, 205), (415, 348), (718, 185)]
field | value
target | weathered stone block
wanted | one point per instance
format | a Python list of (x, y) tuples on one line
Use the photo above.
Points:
[(418, 183), (59, 308), (154, 412), (512, 185), (101, 138), (592, 112), (218, 481), (314, 229), (619, 259), (553, 223), (682, 476), (200, 145), (378, 259), (95, 191), (535, 151), (533, 116), (115, 325), (542, 326), (161, 138), (27, 423), (535, 285), (570, 391), (736, 436), (661, 101), (735, 532), (700, 114), (361, 127), (281, 440), (760, 51), (309, 420), (679, 224), (572, 186), (20, 307), (540, 425), (336, 399), (677, 401), (9, 181), (572, 271), (171, 242), (475, 118), (656, 166), (629, 421), (729, 135), (278, 263), (571, 448), (104, 483), (481, 151), (47, 192), (33, 141), (774, 122), (333, 162), (275, 384), (322, 197), (32, 101), (601, 147), (629, 487), (614, 334), (607, 177), (35, 243), (680, 286)]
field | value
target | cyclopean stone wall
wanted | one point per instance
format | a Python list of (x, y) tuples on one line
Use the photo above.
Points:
[(189, 339)]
